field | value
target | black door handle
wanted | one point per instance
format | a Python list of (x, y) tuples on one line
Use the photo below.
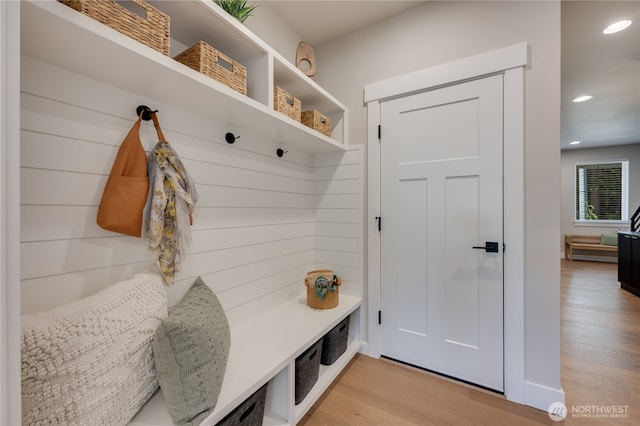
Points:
[(489, 247)]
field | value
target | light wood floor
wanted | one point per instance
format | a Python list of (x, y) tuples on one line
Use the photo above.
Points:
[(600, 367)]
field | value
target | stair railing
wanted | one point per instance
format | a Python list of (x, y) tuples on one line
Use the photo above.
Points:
[(635, 221)]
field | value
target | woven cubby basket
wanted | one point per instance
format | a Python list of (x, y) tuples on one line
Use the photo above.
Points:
[(317, 121), (330, 299), (286, 104), (152, 31), (209, 61)]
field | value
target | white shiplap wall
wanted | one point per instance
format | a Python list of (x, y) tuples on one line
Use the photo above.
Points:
[(338, 237), (261, 222)]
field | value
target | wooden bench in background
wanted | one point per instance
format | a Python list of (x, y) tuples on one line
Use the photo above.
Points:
[(590, 243)]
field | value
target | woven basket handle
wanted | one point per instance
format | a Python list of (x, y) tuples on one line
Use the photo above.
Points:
[(226, 63), (135, 9)]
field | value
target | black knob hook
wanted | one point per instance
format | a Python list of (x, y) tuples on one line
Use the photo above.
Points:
[(280, 152), (146, 112), (231, 138)]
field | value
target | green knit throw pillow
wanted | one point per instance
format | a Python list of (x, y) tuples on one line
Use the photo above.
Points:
[(191, 348)]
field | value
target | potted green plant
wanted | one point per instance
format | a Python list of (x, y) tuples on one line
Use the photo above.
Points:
[(239, 9)]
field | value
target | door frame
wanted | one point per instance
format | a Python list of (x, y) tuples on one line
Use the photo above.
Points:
[(511, 62), (10, 380)]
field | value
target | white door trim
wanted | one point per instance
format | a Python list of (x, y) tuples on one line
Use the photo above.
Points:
[(510, 61), (10, 406)]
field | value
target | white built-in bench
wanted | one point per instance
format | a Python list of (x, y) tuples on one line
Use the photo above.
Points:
[(263, 350)]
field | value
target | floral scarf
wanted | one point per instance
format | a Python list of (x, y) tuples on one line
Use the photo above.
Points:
[(172, 198)]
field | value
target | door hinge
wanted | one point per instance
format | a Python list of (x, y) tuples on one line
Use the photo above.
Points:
[(379, 220), (379, 317), (379, 132), (504, 247)]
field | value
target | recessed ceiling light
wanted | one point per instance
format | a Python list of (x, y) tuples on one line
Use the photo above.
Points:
[(582, 98), (574, 143), (617, 26)]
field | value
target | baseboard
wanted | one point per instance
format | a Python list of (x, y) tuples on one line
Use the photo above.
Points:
[(364, 349), (540, 396)]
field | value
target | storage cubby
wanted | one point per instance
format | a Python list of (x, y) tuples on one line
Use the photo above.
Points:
[(205, 21), (58, 35), (312, 97)]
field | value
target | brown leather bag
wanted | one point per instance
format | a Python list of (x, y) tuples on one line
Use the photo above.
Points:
[(125, 193)]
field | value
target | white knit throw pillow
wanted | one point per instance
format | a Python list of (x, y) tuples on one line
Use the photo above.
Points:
[(90, 362)]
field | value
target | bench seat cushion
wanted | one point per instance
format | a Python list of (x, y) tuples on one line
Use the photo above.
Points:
[(609, 240)]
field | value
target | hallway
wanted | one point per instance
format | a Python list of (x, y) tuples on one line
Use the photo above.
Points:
[(600, 371)]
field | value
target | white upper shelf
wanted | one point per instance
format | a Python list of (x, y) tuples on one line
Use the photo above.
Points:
[(56, 34)]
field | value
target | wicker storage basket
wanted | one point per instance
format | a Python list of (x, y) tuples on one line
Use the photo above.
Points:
[(152, 31), (209, 61), (322, 278), (317, 121), (286, 104)]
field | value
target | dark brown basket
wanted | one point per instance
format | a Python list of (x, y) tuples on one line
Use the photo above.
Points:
[(317, 121), (286, 104), (209, 61), (152, 31)]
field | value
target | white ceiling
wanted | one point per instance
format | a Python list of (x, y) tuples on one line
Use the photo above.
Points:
[(318, 22), (607, 67)]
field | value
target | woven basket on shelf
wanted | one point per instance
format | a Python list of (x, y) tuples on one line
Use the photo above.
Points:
[(286, 104), (152, 31), (317, 121), (322, 278), (207, 60)]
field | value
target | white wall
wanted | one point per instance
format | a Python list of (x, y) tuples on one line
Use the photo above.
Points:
[(337, 219), (438, 32), (271, 28), (254, 232), (569, 159)]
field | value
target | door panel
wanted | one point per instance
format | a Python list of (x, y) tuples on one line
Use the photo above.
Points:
[(412, 270), (456, 140), (441, 195), (461, 303)]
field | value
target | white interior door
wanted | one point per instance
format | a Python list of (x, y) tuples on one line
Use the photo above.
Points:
[(441, 196)]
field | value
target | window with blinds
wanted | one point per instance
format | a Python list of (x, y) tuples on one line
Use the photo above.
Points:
[(601, 191)]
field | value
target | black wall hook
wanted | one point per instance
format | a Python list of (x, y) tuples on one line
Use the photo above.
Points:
[(231, 138), (280, 152), (146, 112)]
